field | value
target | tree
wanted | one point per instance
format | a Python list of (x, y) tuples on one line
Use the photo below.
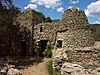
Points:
[(48, 19), (55, 20), (6, 4), (8, 31)]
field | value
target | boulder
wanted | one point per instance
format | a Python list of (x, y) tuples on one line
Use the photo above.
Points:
[(9, 70), (13, 71), (59, 57), (74, 69)]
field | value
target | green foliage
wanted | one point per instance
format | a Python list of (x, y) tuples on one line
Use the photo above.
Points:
[(55, 20), (48, 51), (6, 4), (48, 19), (95, 28), (8, 31), (50, 69), (92, 28)]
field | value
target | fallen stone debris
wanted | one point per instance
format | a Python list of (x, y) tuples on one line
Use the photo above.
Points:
[(6, 69)]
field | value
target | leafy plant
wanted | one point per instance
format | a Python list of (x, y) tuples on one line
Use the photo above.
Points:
[(48, 51), (50, 68)]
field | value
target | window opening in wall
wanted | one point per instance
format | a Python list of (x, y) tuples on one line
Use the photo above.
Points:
[(40, 29), (59, 44)]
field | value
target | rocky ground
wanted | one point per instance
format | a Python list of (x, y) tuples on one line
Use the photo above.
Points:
[(24, 66), (37, 69)]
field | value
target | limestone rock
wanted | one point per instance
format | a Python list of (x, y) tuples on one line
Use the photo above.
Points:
[(69, 68), (98, 69), (4, 70), (73, 69), (13, 71), (59, 57)]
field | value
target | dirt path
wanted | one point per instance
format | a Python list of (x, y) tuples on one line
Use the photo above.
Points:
[(39, 69)]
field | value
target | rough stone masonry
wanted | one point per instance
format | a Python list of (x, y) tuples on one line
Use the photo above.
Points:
[(71, 39), (72, 31), (75, 44)]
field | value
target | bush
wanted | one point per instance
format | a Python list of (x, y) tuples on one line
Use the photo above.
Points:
[(47, 52), (50, 69)]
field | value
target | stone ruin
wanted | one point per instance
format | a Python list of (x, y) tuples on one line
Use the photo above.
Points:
[(26, 21), (72, 31), (71, 39), (77, 32), (75, 45)]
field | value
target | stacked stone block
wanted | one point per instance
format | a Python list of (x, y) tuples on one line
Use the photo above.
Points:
[(78, 33)]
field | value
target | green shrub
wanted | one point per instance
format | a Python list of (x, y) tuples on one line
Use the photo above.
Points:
[(50, 69), (47, 52)]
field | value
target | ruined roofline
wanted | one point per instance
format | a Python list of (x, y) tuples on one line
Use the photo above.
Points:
[(73, 9), (28, 10)]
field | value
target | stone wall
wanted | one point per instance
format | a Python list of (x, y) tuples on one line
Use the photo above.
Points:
[(74, 19), (77, 32), (26, 20), (87, 55), (77, 41), (72, 30), (75, 38), (45, 31), (84, 55)]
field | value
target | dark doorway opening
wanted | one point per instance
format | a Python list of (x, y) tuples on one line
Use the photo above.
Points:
[(23, 48), (43, 44)]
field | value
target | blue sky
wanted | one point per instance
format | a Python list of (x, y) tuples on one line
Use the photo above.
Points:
[(55, 8)]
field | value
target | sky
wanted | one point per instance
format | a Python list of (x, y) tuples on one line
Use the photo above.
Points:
[(55, 8)]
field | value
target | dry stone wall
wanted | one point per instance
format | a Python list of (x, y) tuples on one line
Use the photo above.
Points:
[(87, 57), (26, 21), (73, 29), (78, 33), (78, 38), (77, 42), (44, 31), (74, 18)]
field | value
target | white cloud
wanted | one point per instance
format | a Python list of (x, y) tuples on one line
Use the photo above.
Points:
[(73, 7), (97, 22), (74, 1), (47, 3), (32, 6), (61, 9), (93, 9)]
